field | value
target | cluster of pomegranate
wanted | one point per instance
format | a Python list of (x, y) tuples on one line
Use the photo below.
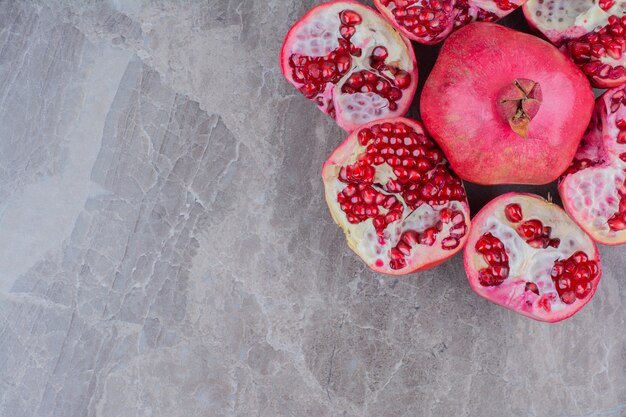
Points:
[(499, 107)]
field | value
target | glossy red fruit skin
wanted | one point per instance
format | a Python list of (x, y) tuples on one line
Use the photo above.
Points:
[(404, 105), (458, 106), (337, 155), (472, 275)]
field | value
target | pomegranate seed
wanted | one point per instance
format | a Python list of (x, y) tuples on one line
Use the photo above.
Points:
[(350, 17), (513, 213)]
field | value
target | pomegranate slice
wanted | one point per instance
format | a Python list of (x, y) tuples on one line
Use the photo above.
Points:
[(593, 189), (591, 32), (527, 255), (506, 107), (346, 58), (431, 21), (389, 187)]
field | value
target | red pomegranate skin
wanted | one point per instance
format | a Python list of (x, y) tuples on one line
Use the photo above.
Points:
[(460, 106)]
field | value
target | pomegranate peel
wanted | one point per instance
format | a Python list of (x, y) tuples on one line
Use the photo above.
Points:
[(525, 254), (351, 62), (389, 187), (506, 107)]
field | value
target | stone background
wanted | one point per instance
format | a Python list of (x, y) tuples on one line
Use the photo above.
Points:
[(165, 249)]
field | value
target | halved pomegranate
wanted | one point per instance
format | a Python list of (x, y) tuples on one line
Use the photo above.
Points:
[(350, 61), (506, 107), (431, 21), (527, 255), (593, 189), (591, 32), (389, 187)]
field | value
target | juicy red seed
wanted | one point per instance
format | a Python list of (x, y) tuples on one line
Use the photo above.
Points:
[(530, 229), (380, 53), (350, 18), (429, 236), (402, 79), (513, 213), (495, 256)]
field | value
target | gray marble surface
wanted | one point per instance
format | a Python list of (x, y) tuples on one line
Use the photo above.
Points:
[(165, 249)]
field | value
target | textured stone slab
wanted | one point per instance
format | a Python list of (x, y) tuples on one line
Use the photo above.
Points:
[(165, 249)]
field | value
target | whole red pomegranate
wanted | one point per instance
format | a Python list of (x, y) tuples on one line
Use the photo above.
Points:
[(506, 107), (389, 187), (431, 21), (351, 62), (593, 189), (591, 32), (527, 255)]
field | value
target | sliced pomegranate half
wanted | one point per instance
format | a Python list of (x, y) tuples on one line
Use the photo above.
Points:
[(350, 61), (390, 189), (591, 32), (593, 189), (527, 255), (431, 21)]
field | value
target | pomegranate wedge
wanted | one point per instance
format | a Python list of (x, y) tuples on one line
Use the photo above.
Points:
[(351, 62), (527, 255), (593, 189), (389, 187)]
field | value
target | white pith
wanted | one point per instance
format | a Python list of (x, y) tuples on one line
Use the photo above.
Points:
[(591, 195), (571, 19), (526, 263), (318, 34), (362, 237)]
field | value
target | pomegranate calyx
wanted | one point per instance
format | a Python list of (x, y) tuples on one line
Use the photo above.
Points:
[(519, 103)]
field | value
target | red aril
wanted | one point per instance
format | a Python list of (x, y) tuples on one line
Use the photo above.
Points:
[(593, 189), (591, 32), (351, 62), (431, 21), (538, 262), (389, 187), (506, 107)]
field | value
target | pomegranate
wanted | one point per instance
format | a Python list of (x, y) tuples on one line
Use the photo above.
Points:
[(431, 21), (593, 189), (591, 32), (527, 255), (351, 62), (506, 107), (389, 187)]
